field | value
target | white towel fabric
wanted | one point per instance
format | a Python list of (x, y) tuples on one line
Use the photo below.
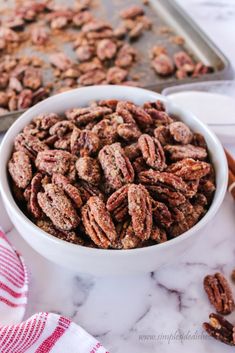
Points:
[(41, 333)]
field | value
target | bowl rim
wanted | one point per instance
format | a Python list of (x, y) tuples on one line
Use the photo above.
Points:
[(8, 198)]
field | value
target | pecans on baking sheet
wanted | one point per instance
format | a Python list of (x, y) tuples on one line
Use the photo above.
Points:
[(48, 47), (100, 175)]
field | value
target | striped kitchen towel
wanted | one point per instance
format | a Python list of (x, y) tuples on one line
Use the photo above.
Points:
[(41, 333)]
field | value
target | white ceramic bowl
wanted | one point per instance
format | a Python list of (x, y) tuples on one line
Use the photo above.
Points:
[(98, 261)]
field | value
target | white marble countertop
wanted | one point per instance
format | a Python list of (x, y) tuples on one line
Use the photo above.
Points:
[(156, 312)]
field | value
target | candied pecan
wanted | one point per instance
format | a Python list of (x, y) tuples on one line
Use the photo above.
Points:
[(183, 61), (46, 121), (220, 329), (84, 143), (106, 49), (132, 12), (126, 56), (189, 169), (163, 65), (132, 151), (35, 187), (29, 144), (159, 117), (158, 235), (140, 210), (158, 105), (117, 203), (53, 161), (163, 135), (176, 153), (164, 186), (106, 130), (128, 132), (15, 84), (116, 166), (83, 116), (56, 205), (180, 132), (88, 169), (201, 69), (59, 22), (85, 52), (25, 99), (219, 293), (152, 152), (116, 75), (161, 214), (61, 128), (93, 77), (199, 140), (71, 191), (127, 238), (32, 78), (90, 66), (98, 223), (110, 103), (20, 169), (39, 35), (68, 235), (80, 18), (61, 61), (181, 74), (131, 113), (95, 26)]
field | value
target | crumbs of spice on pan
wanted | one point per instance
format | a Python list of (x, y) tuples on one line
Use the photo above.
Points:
[(101, 53)]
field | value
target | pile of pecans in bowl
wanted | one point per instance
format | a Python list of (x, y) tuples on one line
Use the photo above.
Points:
[(112, 175)]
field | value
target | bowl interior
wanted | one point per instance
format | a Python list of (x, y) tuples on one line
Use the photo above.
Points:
[(81, 97)]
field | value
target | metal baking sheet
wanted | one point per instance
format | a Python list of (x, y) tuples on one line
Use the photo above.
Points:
[(163, 13)]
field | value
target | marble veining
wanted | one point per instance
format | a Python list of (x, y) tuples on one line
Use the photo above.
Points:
[(160, 311)]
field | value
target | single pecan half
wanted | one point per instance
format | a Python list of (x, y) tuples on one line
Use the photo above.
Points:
[(84, 143), (152, 152), (128, 132), (219, 293), (83, 116), (88, 169), (20, 169), (117, 203), (29, 144), (56, 205), (220, 329), (54, 161), (189, 169), (116, 166), (161, 214), (180, 132), (140, 210), (98, 223), (35, 188), (178, 152)]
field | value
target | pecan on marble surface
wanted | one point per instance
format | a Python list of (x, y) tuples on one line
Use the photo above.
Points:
[(219, 293), (220, 329)]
